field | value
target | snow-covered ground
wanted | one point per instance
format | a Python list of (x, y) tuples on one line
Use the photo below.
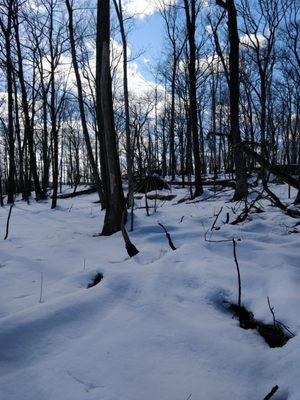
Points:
[(155, 327)]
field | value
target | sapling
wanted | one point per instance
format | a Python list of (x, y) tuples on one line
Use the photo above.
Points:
[(216, 219), (238, 273), (146, 204), (7, 223), (132, 216), (246, 317)]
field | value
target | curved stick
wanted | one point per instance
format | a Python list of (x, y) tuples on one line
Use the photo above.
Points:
[(7, 223)]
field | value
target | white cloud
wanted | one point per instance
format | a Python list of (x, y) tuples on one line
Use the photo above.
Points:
[(138, 85), (143, 8), (252, 40), (140, 8)]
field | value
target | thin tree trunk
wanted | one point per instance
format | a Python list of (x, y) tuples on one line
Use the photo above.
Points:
[(28, 128), (190, 12), (241, 190), (81, 105), (7, 32), (119, 11)]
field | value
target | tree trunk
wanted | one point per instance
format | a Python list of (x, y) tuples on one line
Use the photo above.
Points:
[(190, 12), (241, 189), (7, 32), (115, 196), (54, 130), (129, 155), (172, 120)]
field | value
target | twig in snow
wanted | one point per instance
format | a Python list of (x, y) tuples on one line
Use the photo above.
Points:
[(215, 241), (146, 200), (272, 311), (227, 218), (216, 219), (88, 386), (238, 272), (271, 394), (278, 323), (171, 244), (286, 328), (247, 209), (277, 203), (41, 288), (7, 223)]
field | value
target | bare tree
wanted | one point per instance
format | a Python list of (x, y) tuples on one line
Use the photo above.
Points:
[(191, 10), (241, 189), (6, 25), (119, 11), (81, 103), (171, 17)]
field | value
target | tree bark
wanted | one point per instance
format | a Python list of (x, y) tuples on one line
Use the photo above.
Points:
[(7, 32), (115, 195), (129, 155), (241, 189), (190, 12)]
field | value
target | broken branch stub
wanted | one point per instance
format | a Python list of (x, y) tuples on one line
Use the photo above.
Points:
[(171, 244)]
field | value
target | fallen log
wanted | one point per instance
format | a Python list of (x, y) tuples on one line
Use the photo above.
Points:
[(162, 197), (274, 169), (216, 182), (90, 190), (220, 182), (149, 183)]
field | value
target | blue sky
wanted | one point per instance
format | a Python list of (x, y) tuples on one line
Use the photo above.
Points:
[(147, 37)]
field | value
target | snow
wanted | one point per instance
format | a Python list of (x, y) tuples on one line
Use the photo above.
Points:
[(155, 327)]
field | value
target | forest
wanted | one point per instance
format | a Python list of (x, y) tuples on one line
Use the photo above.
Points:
[(150, 199)]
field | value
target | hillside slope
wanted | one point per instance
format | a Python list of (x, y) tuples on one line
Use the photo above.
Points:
[(156, 327)]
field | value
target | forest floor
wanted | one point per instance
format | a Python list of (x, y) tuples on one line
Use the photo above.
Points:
[(156, 327)]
